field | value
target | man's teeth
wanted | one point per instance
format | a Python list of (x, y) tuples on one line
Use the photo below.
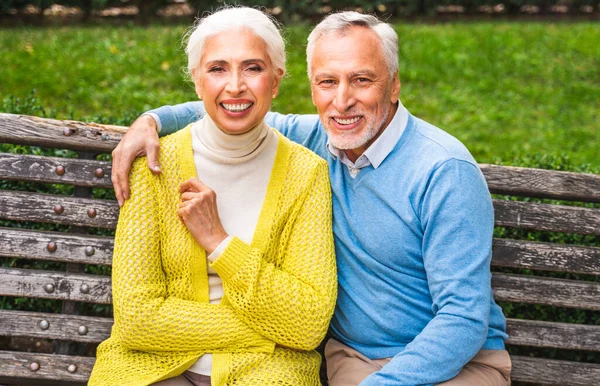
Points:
[(236, 107), (347, 121)]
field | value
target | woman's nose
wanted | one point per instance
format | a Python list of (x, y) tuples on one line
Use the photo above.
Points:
[(235, 84)]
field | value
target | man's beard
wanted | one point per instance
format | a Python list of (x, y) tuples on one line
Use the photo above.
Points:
[(353, 140)]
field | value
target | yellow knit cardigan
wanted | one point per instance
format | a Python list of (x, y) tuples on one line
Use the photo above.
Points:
[(279, 291)]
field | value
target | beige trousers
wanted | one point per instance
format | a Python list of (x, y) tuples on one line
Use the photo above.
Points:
[(186, 379), (346, 366)]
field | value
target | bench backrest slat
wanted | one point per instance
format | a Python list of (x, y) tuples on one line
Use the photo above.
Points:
[(64, 286), (546, 217), (545, 256), (554, 372), (539, 183), (41, 208), (537, 333), (56, 326), (546, 291), (28, 244), (51, 366), (72, 135), (79, 172)]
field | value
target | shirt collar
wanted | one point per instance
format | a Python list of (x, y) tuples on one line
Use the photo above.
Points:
[(382, 147)]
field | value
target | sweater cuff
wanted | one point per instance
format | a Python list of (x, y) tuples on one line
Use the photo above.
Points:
[(219, 249), (234, 257)]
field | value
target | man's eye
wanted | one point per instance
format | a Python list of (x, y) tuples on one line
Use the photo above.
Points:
[(326, 82), (363, 80)]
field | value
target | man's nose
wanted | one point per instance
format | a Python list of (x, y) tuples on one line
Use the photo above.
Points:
[(344, 98)]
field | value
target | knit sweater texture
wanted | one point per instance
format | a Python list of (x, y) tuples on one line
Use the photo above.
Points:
[(413, 244), (280, 289)]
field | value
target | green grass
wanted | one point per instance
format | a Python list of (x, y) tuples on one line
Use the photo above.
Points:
[(505, 89)]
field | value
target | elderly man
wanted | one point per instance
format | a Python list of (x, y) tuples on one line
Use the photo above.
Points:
[(413, 218)]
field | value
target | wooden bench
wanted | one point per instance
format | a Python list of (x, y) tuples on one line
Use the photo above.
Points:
[(76, 249)]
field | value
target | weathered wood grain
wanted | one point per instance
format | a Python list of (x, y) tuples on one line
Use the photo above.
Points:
[(79, 172), (528, 182), (54, 326), (65, 286), (51, 366), (566, 336), (546, 256), (554, 372), (70, 248), (45, 132), (546, 217), (547, 291), (40, 208)]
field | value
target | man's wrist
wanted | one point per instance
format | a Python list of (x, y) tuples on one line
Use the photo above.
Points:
[(156, 119)]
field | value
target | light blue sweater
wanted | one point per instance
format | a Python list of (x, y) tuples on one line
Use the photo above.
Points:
[(413, 242)]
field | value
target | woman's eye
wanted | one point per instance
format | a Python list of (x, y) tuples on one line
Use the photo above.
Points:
[(215, 69), (255, 68)]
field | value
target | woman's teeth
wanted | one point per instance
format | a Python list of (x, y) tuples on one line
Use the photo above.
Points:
[(236, 107)]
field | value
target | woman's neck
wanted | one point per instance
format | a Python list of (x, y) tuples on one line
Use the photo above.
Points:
[(228, 147)]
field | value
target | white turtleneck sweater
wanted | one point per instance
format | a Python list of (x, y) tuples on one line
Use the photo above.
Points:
[(238, 169)]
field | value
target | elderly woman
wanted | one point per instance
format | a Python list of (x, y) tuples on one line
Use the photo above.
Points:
[(224, 270)]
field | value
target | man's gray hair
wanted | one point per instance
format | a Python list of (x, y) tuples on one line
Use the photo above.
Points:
[(231, 18), (342, 21)]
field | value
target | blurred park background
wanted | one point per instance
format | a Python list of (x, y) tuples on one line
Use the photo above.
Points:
[(512, 79), (517, 81)]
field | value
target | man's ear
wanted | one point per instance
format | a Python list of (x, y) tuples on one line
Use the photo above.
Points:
[(395, 89)]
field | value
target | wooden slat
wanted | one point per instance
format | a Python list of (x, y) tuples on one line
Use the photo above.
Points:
[(554, 372), (39, 208), (566, 336), (51, 366), (545, 217), (79, 172), (528, 182), (547, 291), (44, 132), (60, 326), (29, 244), (546, 256), (67, 286)]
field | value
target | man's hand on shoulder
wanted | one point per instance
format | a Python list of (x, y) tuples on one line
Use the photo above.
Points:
[(141, 139)]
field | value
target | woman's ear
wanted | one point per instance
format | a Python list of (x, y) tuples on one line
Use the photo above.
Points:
[(197, 82), (278, 76)]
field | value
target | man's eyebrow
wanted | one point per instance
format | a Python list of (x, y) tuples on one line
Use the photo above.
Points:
[(364, 72)]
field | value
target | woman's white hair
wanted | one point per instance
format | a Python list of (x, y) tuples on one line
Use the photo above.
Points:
[(340, 23), (231, 18)]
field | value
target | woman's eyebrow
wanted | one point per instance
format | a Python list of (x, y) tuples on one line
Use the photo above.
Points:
[(249, 61), (216, 63)]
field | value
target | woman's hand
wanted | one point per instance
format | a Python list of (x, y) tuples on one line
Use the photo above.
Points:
[(198, 211)]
